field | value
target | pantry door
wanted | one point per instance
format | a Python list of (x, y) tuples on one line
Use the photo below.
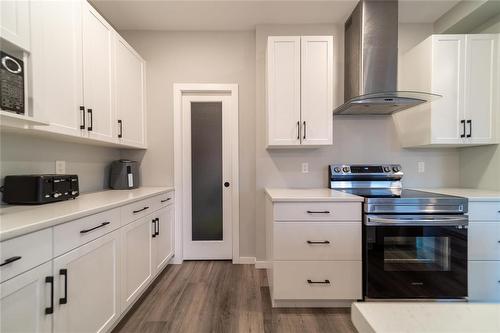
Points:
[(208, 138)]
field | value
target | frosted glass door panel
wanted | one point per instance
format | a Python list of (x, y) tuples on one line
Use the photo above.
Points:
[(206, 171)]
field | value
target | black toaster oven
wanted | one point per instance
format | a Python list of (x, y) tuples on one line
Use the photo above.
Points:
[(39, 189)]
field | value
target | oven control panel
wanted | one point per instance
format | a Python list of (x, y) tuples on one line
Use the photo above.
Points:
[(365, 169)]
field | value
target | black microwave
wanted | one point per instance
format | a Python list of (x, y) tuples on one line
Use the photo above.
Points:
[(11, 83)]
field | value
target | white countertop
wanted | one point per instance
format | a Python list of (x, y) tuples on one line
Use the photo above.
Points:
[(16, 220), (471, 193), (425, 317), (309, 194)]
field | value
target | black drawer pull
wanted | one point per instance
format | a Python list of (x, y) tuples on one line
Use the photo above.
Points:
[(91, 229), (463, 128), (154, 228), (140, 210), (318, 212), (64, 272), (10, 260), (120, 123), (318, 282), (318, 242), (82, 109), (91, 127), (50, 309), (165, 200), (157, 226)]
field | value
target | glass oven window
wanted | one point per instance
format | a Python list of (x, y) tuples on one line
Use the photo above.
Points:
[(417, 253)]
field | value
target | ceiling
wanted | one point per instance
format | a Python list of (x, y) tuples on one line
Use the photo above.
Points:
[(209, 15)]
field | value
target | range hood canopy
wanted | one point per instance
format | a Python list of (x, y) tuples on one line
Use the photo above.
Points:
[(371, 62)]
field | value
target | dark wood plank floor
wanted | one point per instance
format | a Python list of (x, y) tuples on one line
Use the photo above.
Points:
[(217, 296)]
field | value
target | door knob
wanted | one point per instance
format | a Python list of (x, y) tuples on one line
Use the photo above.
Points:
[(226, 184)]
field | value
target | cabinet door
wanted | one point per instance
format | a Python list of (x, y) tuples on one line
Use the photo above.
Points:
[(56, 64), (283, 91), (23, 301), (136, 258), (481, 87), (163, 245), (448, 74), (87, 292), (129, 85), (97, 75), (15, 22), (317, 90)]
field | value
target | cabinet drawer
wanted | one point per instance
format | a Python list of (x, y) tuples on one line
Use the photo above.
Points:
[(165, 199), (306, 280), (317, 241), (484, 211), (70, 235), (138, 209), (484, 281), (484, 241), (317, 211), (24, 253)]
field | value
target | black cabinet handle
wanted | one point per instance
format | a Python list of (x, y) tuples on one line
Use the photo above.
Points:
[(121, 128), (298, 130), (469, 122), (140, 210), (154, 228), (165, 200), (304, 130), (64, 272), (89, 111), (226, 184), (99, 226), (50, 309), (318, 242), (463, 128), (10, 260), (318, 212), (157, 226), (318, 282), (82, 109)]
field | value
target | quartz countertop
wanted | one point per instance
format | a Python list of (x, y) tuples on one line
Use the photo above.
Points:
[(425, 317), (17, 220), (470, 193), (310, 194)]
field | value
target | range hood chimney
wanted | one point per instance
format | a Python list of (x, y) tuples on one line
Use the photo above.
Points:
[(371, 62)]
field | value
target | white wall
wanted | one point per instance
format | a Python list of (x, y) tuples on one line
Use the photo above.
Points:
[(198, 57), (24, 154)]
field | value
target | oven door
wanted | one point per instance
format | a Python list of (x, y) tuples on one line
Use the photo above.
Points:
[(415, 256)]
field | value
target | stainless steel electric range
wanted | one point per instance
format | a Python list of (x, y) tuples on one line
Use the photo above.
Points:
[(414, 242)]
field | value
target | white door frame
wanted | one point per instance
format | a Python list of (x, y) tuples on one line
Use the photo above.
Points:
[(231, 91)]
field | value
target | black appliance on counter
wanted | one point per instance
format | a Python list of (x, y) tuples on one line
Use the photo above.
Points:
[(124, 175), (414, 242), (39, 189)]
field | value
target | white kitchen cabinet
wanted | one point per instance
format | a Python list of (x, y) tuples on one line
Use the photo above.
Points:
[(98, 75), (87, 282), (24, 300), (130, 94), (463, 69), (163, 245), (56, 66), (137, 256), (15, 22), (299, 91)]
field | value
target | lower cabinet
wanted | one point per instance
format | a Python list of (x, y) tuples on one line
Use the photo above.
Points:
[(87, 286), (25, 299), (163, 244)]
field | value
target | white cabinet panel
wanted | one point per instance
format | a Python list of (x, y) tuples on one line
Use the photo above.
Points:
[(163, 245), (23, 301), (130, 99), (56, 65), (484, 211), (318, 211), (317, 90), (137, 258), (484, 281), (482, 91), (91, 286), (283, 91), (97, 75), (15, 22), (484, 241)]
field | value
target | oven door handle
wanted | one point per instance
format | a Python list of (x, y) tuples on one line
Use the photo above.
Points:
[(454, 221)]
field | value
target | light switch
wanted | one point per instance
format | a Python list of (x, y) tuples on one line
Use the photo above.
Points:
[(305, 167), (421, 167), (60, 167)]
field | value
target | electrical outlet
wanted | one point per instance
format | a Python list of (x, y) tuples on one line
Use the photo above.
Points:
[(305, 167), (421, 167), (60, 167)]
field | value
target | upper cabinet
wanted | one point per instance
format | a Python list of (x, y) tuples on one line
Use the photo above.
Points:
[(14, 22), (299, 91), (464, 70)]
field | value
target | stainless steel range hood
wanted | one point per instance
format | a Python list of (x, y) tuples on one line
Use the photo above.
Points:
[(371, 62)]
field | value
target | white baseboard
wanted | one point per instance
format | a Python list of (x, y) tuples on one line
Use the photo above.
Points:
[(246, 260), (262, 264)]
